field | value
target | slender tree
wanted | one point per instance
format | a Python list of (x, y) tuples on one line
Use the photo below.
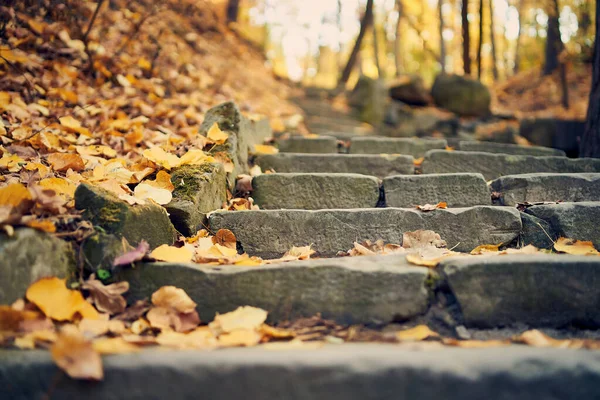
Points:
[(442, 43), (466, 37), (480, 47), (554, 44), (517, 60), (398, 40), (366, 22), (233, 10), (380, 73), (590, 143), (493, 41)]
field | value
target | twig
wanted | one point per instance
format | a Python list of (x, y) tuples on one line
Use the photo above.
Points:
[(89, 28), (135, 31)]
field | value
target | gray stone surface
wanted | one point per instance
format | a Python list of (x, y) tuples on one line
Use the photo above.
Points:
[(493, 166), (149, 222), (28, 256), (367, 164), (405, 121), (458, 190), (415, 147), (354, 290), (270, 233), (199, 189), (571, 220), (101, 249), (333, 372), (536, 232), (539, 289), (541, 187), (506, 148), (315, 191), (462, 95), (368, 98), (313, 145)]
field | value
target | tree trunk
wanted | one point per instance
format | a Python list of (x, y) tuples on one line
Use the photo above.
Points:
[(340, 55), (493, 41), (520, 9), (554, 44), (442, 43), (366, 22), (380, 73), (233, 10), (466, 37), (480, 47), (398, 41), (590, 143)]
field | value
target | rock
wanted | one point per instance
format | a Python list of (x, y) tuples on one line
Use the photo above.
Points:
[(415, 147), (571, 220), (348, 290), (410, 90), (29, 255), (457, 190), (368, 98), (314, 145), (493, 166), (536, 232), (199, 189), (315, 191), (551, 132), (349, 371), (117, 217), (495, 131), (504, 148), (243, 134), (461, 95), (533, 188), (377, 165), (537, 290), (406, 121), (270, 233), (101, 249)]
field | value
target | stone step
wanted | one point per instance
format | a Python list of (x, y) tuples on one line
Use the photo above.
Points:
[(457, 190), (532, 188), (313, 145), (358, 290), (367, 164), (537, 290), (493, 166), (314, 191), (332, 372), (505, 148), (416, 147), (570, 220), (270, 233)]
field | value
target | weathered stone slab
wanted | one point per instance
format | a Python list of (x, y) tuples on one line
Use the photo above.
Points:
[(493, 166), (377, 165), (536, 232), (416, 147), (199, 189), (350, 371), (532, 188), (313, 145), (506, 148), (149, 222), (571, 220), (458, 190), (101, 249), (349, 290), (270, 233), (315, 191), (29, 255), (539, 290)]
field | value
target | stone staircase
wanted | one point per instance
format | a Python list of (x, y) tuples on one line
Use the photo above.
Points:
[(330, 197)]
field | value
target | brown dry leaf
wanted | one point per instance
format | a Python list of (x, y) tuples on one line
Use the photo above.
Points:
[(172, 254), (116, 345), (240, 337), (243, 318), (276, 333), (134, 312), (422, 238), (486, 249), (295, 344), (76, 356), (199, 338), (175, 298), (575, 247), (536, 338), (475, 344), (98, 327), (265, 149), (162, 158), (529, 249), (431, 207), (12, 320), (145, 191), (226, 238), (166, 318), (216, 135), (107, 298), (61, 162), (57, 302), (420, 332), (429, 256), (162, 181), (300, 253)]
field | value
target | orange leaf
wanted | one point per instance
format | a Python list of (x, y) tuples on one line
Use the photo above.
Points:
[(76, 356), (56, 301), (575, 247), (226, 238), (14, 194), (420, 332), (61, 162)]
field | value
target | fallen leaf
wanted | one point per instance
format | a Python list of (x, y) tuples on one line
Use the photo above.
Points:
[(429, 256), (216, 135), (166, 318), (61, 162), (276, 333), (175, 298), (76, 356), (12, 320), (134, 312), (73, 125), (15, 195), (57, 302), (162, 181), (243, 318), (430, 207), (265, 149), (486, 248), (98, 327), (475, 344), (115, 345), (420, 332), (575, 247), (133, 255), (226, 238), (172, 254), (107, 298), (241, 337), (200, 338), (162, 158), (422, 238), (145, 191)]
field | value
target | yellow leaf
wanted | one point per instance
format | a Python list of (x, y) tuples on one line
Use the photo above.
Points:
[(575, 247), (114, 345), (417, 333), (162, 158), (144, 191), (418, 161), (476, 344), (172, 254), (217, 135), (60, 186), (243, 337), (14, 194), (162, 181), (42, 225), (196, 157), (74, 126), (265, 149), (172, 297), (486, 248), (12, 162), (41, 168), (61, 162), (144, 64), (76, 356), (99, 327), (57, 302), (243, 318), (200, 338)]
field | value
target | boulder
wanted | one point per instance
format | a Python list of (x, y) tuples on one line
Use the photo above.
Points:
[(410, 90), (199, 189), (101, 249), (29, 255), (404, 121), (368, 98), (461, 95), (148, 222)]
